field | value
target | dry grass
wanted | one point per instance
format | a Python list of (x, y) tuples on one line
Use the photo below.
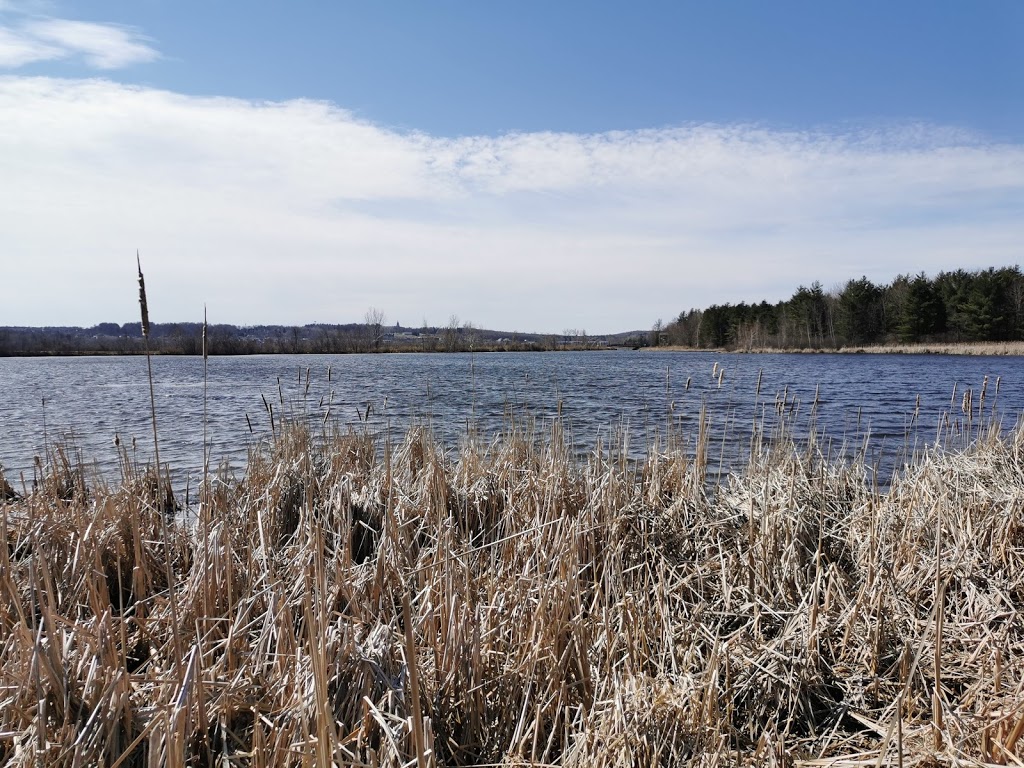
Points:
[(963, 348), (349, 604), (960, 348)]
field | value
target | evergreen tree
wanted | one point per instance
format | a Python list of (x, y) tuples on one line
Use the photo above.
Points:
[(811, 315), (924, 313), (955, 289), (860, 312), (986, 309)]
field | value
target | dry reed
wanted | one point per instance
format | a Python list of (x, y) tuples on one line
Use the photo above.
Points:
[(352, 603), (919, 348)]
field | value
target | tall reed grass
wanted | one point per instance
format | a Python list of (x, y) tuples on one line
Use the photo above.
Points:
[(349, 602)]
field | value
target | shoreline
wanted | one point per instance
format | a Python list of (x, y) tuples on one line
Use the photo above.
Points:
[(976, 349)]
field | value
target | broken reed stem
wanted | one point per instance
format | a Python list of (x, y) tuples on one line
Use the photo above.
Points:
[(415, 715), (899, 729), (939, 613)]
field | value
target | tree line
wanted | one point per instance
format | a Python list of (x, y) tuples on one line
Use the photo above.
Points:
[(184, 339), (372, 335), (960, 306)]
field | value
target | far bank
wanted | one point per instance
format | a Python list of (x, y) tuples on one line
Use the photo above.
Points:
[(961, 348)]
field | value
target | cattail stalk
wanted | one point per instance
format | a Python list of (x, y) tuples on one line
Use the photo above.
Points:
[(143, 306), (160, 497), (205, 517), (937, 656), (206, 455)]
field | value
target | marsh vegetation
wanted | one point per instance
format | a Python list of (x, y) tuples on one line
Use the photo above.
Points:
[(352, 602)]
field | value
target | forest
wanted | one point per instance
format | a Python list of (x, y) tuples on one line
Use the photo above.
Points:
[(960, 306), (372, 335)]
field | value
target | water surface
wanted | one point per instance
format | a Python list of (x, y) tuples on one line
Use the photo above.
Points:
[(890, 400)]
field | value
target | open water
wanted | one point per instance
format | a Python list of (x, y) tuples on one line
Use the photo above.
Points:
[(885, 405)]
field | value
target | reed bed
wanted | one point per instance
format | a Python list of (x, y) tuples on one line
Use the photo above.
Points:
[(970, 348), (347, 602), (944, 348)]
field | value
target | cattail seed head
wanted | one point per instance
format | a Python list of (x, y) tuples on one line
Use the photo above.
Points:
[(142, 299)]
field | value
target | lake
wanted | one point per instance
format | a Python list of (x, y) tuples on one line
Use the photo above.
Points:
[(866, 397)]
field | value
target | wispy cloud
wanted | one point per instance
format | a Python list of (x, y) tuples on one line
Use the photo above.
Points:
[(18, 49), (28, 39), (299, 212)]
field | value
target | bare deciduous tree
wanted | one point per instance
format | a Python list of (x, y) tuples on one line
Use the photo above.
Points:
[(656, 331), (375, 319), (470, 335), (451, 334)]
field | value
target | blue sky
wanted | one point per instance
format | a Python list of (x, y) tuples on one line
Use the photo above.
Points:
[(532, 166)]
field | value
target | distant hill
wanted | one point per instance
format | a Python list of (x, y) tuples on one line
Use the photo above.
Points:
[(225, 339)]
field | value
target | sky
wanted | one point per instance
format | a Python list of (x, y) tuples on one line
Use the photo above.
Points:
[(527, 165)]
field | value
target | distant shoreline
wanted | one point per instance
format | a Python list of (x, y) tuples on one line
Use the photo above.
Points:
[(978, 349), (401, 351), (981, 348)]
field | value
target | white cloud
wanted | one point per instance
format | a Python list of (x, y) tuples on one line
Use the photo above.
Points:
[(102, 46), (298, 212), (18, 49)]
